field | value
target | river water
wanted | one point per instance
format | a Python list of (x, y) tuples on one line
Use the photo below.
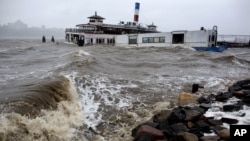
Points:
[(59, 91)]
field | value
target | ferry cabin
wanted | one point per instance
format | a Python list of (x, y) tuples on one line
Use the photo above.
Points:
[(181, 38)]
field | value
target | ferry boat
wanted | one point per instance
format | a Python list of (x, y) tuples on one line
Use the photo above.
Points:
[(96, 32), (133, 34)]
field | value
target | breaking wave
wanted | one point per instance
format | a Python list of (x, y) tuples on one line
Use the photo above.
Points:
[(48, 110)]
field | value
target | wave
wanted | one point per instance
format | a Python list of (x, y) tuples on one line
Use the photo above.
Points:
[(49, 110)]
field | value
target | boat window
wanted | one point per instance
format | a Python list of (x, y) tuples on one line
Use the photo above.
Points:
[(162, 39), (145, 40), (153, 40), (209, 38), (156, 39), (178, 38), (150, 39)]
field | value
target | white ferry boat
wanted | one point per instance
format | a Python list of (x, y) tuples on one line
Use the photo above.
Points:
[(134, 34)]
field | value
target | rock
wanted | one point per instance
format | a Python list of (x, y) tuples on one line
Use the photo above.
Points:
[(214, 122), (162, 116), (191, 114), (205, 106), (209, 138), (185, 136), (218, 128), (229, 120), (190, 124), (224, 134), (199, 109), (146, 129), (177, 115), (178, 128), (135, 130), (195, 88), (196, 131), (222, 96), (203, 126), (202, 99), (143, 137), (239, 94), (185, 98), (231, 108)]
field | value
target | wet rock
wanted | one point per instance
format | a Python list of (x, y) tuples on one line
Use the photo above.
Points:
[(218, 128), (146, 129), (191, 114), (209, 138), (162, 116), (229, 120), (205, 106), (143, 137), (214, 122), (190, 124), (196, 131), (224, 134), (222, 96), (185, 136), (199, 109), (231, 108), (203, 126), (239, 94), (185, 98), (196, 87), (135, 130), (177, 115), (178, 128), (202, 99)]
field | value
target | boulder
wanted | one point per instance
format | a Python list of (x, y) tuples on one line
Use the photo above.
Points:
[(191, 114), (239, 94), (185, 136), (178, 128), (162, 116), (223, 96), (224, 134), (214, 122), (229, 120), (203, 126), (177, 115), (135, 130), (155, 133), (185, 98)]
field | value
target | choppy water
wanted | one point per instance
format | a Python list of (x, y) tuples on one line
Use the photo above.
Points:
[(58, 91)]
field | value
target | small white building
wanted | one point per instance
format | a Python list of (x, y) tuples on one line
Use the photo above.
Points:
[(181, 38)]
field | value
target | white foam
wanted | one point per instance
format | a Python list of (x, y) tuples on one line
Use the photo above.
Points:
[(98, 91), (217, 112)]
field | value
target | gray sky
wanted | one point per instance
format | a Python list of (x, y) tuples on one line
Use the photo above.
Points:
[(231, 16)]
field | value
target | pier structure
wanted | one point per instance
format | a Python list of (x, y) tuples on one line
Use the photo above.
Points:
[(234, 40)]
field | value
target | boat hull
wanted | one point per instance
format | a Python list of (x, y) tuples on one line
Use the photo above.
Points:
[(214, 49)]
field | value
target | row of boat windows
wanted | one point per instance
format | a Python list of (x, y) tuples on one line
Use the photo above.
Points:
[(88, 28), (102, 41), (153, 40)]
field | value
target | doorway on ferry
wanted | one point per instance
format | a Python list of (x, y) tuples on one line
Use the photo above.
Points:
[(132, 39)]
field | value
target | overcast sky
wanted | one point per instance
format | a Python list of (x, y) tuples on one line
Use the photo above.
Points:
[(231, 16)]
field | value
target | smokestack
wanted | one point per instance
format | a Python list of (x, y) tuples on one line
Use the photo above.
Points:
[(136, 16)]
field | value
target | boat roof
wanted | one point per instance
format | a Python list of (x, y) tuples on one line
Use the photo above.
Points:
[(96, 16)]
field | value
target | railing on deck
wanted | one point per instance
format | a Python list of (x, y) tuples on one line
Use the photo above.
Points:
[(82, 31)]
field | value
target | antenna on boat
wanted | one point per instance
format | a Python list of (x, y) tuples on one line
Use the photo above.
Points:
[(136, 15)]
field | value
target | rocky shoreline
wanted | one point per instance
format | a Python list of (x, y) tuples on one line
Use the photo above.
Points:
[(194, 123)]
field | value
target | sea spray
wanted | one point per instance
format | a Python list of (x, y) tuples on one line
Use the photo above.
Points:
[(61, 123)]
